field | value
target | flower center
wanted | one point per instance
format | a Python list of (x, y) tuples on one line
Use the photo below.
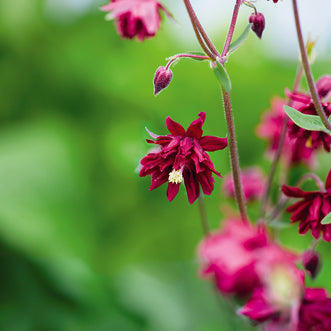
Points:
[(175, 176)]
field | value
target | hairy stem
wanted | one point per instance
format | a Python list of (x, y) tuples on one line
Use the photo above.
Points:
[(203, 215), (231, 29), (234, 156), (306, 66)]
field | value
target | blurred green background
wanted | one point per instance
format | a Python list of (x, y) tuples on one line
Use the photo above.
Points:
[(84, 245)]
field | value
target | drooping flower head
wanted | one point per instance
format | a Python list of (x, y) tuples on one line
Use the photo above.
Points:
[(230, 256), (311, 209), (253, 184), (294, 150), (258, 23), (135, 18), (182, 156)]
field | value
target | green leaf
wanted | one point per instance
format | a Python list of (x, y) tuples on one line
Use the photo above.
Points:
[(223, 77), (327, 219), (308, 122), (241, 39)]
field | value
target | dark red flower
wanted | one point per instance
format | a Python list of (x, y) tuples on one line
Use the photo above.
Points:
[(139, 18), (310, 211), (182, 155), (315, 311), (258, 23), (304, 104), (295, 150)]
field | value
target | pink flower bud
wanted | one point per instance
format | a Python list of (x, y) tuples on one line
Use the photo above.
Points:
[(258, 23), (323, 86), (162, 79), (311, 262)]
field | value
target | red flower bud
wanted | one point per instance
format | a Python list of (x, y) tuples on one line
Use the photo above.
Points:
[(258, 23), (311, 262), (162, 79)]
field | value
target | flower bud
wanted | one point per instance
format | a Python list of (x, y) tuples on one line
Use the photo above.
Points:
[(162, 79), (323, 86), (311, 262), (258, 23)]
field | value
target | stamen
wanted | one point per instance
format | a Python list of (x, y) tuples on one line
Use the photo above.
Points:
[(175, 176)]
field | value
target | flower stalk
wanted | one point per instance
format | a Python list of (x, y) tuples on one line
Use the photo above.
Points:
[(306, 66)]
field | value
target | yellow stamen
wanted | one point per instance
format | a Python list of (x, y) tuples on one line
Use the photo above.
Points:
[(309, 142), (175, 176)]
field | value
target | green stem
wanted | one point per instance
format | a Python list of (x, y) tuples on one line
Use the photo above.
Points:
[(306, 66)]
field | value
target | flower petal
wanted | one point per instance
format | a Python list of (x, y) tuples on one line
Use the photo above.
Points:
[(195, 128), (294, 192), (174, 128), (211, 144), (328, 181), (172, 191), (192, 186)]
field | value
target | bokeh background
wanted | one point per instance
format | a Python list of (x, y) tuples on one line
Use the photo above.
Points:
[(84, 245)]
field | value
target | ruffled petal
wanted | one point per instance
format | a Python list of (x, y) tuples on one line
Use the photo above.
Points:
[(195, 128), (294, 192), (328, 181), (211, 144), (206, 181), (172, 191), (174, 128), (192, 186)]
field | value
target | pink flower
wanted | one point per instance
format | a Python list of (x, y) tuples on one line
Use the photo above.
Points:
[(311, 261), (230, 256), (162, 79), (315, 311), (309, 311), (139, 18), (253, 183), (310, 211), (182, 155), (294, 150)]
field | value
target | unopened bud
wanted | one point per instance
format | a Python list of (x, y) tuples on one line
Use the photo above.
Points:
[(162, 79), (258, 23), (323, 86), (311, 262)]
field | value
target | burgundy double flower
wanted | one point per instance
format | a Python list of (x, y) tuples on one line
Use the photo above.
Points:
[(311, 209), (135, 18), (182, 156)]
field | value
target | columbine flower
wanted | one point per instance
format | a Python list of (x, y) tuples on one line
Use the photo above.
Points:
[(230, 256), (182, 156), (253, 184), (139, 18), (315, 311), (305, 104), (294, 150), (310, 211)]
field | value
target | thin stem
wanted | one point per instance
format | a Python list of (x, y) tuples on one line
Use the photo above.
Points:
[(231, 29), (203, 39), (278, 151), (234, 156), (192, 56), (203, 215), (315, 178), (306, 66)]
